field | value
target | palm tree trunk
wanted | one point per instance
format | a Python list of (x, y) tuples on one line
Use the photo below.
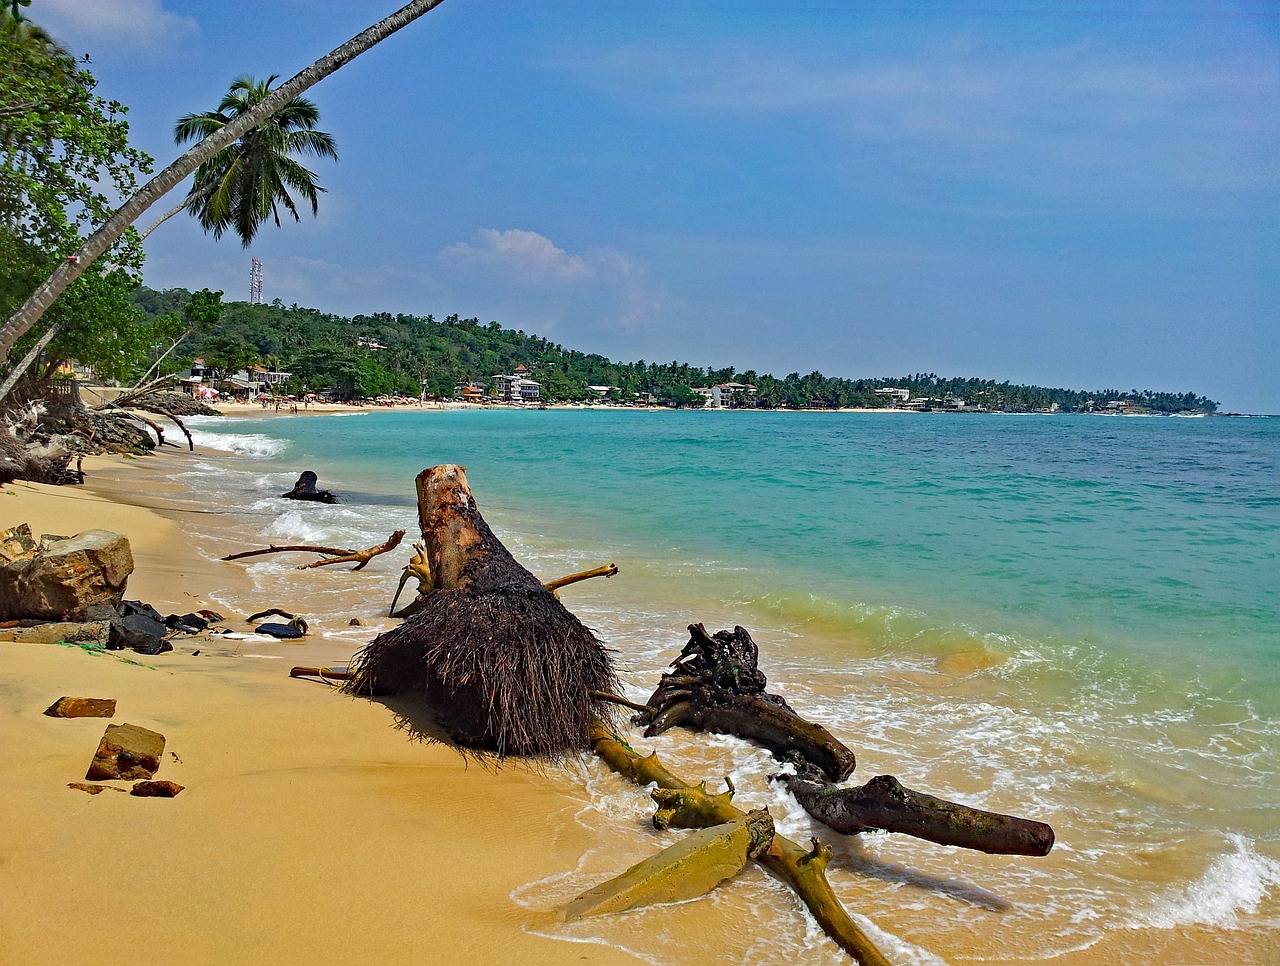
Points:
[(29, 358), (206, 190), (97, 243)]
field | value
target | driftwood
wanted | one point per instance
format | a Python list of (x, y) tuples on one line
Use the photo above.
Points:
[(191, 444), (688, 869), (716, 686), (885, 804), (305, 489), (505, 668), (493, 653), (333, 555), (681, 805)]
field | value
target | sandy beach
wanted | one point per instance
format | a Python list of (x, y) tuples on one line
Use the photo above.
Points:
[(310, 829)]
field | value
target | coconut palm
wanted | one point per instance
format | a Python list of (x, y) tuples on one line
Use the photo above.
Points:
[(249, 181), (67, 272)]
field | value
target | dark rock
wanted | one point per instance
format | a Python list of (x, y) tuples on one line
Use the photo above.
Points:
[(187, 623), (126, 752), (62, 579), (212, 616), (305, 489), (157, 788), (82, 708), (280, 630), (140, 628)]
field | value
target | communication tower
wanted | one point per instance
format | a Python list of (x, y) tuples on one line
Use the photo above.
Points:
[(255, 282)]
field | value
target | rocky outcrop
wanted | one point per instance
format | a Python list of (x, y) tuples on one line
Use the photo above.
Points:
[(61, 578)]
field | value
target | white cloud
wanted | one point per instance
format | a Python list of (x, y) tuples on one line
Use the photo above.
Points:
[(128, 25), (521, 274), (522, 255)]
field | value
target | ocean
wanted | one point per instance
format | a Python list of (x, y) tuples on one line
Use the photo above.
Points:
[(1075, 619)]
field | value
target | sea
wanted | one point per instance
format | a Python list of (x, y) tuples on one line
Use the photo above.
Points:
[(1075, 619)]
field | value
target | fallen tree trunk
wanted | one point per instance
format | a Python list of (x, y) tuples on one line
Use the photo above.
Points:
[(503, 665), (682, 805), (716, 686), (885, 804)]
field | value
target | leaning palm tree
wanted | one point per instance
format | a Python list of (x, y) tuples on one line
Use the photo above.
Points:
[(249, 180), (67, 272)]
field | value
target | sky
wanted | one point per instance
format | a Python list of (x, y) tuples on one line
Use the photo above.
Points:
[(1074, 193)]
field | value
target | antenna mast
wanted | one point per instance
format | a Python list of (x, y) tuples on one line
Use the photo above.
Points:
[(255, 282)]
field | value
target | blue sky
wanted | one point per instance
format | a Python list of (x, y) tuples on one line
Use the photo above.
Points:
[(1081, 194)]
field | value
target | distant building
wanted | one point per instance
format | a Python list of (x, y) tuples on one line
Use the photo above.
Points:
[(471, 392), (895, 395), (725, 395), (516, 388)]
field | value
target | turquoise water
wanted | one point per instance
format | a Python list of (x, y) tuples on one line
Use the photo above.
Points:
[(1074, 618)]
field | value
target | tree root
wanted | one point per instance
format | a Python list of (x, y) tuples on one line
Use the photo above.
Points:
[(682, 805)]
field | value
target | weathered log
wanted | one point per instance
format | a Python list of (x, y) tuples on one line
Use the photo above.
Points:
[(496, 656), (716, 686), (305, 489), (682, 805), (885, 804)]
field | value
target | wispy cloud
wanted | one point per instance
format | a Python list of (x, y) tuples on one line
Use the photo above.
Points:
[(1082, 122), (135, 26), (527, 273)]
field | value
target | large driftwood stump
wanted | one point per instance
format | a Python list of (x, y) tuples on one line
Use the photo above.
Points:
[(715, 685), (501, 662)]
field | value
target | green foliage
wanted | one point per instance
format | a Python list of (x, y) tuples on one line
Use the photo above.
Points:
[(372, 355), (65, 161)]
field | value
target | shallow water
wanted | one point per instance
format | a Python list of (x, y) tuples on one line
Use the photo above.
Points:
[(1075, 619)]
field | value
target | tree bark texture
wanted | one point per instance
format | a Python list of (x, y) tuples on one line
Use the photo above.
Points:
[(715, 685), (501, 662)]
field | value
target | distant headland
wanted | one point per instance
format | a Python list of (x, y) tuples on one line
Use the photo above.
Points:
[(367, 356)]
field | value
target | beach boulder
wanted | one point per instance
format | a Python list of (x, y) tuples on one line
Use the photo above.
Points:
[(126, 753), (62, 577)]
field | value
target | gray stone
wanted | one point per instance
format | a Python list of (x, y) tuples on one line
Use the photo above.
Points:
[(62, 579), (127, 752)]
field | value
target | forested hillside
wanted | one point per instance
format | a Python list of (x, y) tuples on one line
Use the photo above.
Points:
[(372, 355)]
